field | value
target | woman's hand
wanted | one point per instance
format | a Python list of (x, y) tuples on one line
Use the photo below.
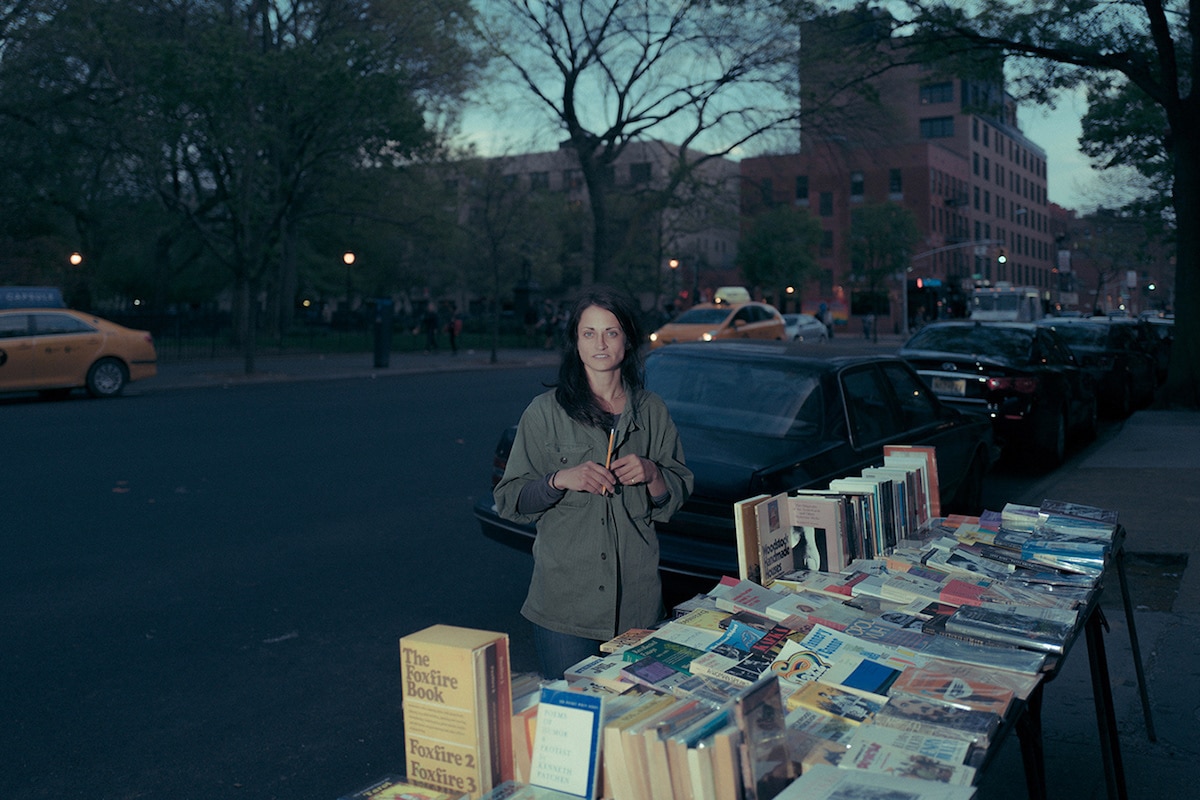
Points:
[(587, 477), (633, 470)]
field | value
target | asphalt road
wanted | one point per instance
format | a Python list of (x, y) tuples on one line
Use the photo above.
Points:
[(203, 589)]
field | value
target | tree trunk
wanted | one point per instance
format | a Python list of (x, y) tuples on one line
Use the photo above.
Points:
[(1183, 378)]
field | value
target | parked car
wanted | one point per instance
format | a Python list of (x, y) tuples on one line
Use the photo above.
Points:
[(1151, 343), (804, 328), (1022, 376), (1124, 373), (764, 417), (54, 350), (707, 322)]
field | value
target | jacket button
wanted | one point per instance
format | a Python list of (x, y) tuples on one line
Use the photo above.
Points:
[(602, 588), (604, 556), (562, 460)]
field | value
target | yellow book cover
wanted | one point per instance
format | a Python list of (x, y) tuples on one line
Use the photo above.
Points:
[(457, 705)]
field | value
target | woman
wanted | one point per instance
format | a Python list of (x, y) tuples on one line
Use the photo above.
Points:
[(596, 462)]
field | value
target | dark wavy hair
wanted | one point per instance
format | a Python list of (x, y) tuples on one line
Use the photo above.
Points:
[(573, 391)]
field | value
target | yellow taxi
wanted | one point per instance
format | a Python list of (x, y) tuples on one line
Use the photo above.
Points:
[(707, 322), (54, 350)]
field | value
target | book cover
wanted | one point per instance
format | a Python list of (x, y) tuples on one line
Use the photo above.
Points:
[(457, 707), (732, 594), (710, 619), (965, 723), (726, 760), (653, 673), (626, 639), (834, 701), (745, 529), (566, 748), (674, 655), (947, 749), (774, 525), (1078, 510), (999, 624), (825, 782), (604, 670), (820, 526), (900, 763), (663, 775), (397, 787), (766, 760), (960, 690)]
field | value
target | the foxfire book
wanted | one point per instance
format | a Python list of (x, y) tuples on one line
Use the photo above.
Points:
[(457, 704)]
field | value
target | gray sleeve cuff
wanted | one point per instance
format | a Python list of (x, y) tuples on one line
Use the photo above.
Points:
[(537, 496)]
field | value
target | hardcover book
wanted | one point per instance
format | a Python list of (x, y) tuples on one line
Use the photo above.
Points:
[(821, 526), (774, 524), (745, 529)]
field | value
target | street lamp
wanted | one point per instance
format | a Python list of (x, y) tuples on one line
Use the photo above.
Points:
[(348, 260), (674, 265), (75, 258)]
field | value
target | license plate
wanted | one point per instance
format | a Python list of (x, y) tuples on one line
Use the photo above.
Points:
[(954, 386)]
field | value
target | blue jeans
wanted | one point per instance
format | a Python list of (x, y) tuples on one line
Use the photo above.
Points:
[(558, 651)]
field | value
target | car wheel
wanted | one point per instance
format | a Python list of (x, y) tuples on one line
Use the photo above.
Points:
[(107, 378), (968, 499), (1051, 443)]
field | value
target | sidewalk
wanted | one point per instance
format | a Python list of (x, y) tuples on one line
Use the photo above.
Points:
[(1149, 472)]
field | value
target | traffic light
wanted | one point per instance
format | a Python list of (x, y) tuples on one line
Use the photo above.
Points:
[(1002, 256)]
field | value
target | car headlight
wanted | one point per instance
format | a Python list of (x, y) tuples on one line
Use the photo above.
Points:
[(708, 336), (654, 337)]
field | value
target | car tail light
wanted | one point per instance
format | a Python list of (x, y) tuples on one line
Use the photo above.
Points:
[(1022, 385)]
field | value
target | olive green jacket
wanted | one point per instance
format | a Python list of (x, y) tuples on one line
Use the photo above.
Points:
[(595, 568)]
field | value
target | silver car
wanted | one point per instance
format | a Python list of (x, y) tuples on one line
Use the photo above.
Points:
[(804, 328)]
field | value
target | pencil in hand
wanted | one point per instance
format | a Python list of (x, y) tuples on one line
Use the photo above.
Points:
[(612, 437)]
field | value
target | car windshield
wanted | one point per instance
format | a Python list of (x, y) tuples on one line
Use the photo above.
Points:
[(1009, 343), (702, 316), (758, 397), (1083, 335)]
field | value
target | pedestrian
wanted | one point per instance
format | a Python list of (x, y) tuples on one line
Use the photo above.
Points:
[(595, 463), (429, 324), (453, 328), (868, 326)]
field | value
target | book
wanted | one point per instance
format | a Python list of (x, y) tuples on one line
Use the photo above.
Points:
[(745, 529), (520, 790), (959, 690), (766, 761), (835, 701), (927, 455), (604, 670), (626, 639), (726, 762), (899, 762), (566, 748), (947, 749), (651, 672), (1078, 510), (664, 776), (773, 521), (732, 594), (617, 778), (825, 782), (674, 655), (1007, 626), (902, 710), (457, 708), (820, 526), (397, 787)]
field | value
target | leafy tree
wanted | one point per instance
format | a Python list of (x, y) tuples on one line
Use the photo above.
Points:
[(1138, 61), (882, 238), (608, 72), (779, 249)]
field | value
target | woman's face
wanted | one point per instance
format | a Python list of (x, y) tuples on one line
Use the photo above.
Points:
[(600, 340)]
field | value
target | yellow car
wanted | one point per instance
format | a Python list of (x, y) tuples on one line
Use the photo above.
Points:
[(54, 350), (707, 322)]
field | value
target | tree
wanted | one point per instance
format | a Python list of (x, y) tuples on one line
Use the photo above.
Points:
[(1140, 56), (244, 119), (882, 238), (779, 249), (608, 72)]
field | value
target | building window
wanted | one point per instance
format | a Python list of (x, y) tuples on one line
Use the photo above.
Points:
[(825, 249), (895, 182), (987, 169), (640, 172), (572, 179), (825, 207), (975, 163), (856, 185), (937, 93), (802, 189), (539, 180), (937, 127)]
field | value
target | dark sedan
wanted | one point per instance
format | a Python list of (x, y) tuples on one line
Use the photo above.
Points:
[(758, 418), (1022, 376), (1125, 374)]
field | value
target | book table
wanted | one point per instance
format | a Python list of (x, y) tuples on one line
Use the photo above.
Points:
[(1028, 724)]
